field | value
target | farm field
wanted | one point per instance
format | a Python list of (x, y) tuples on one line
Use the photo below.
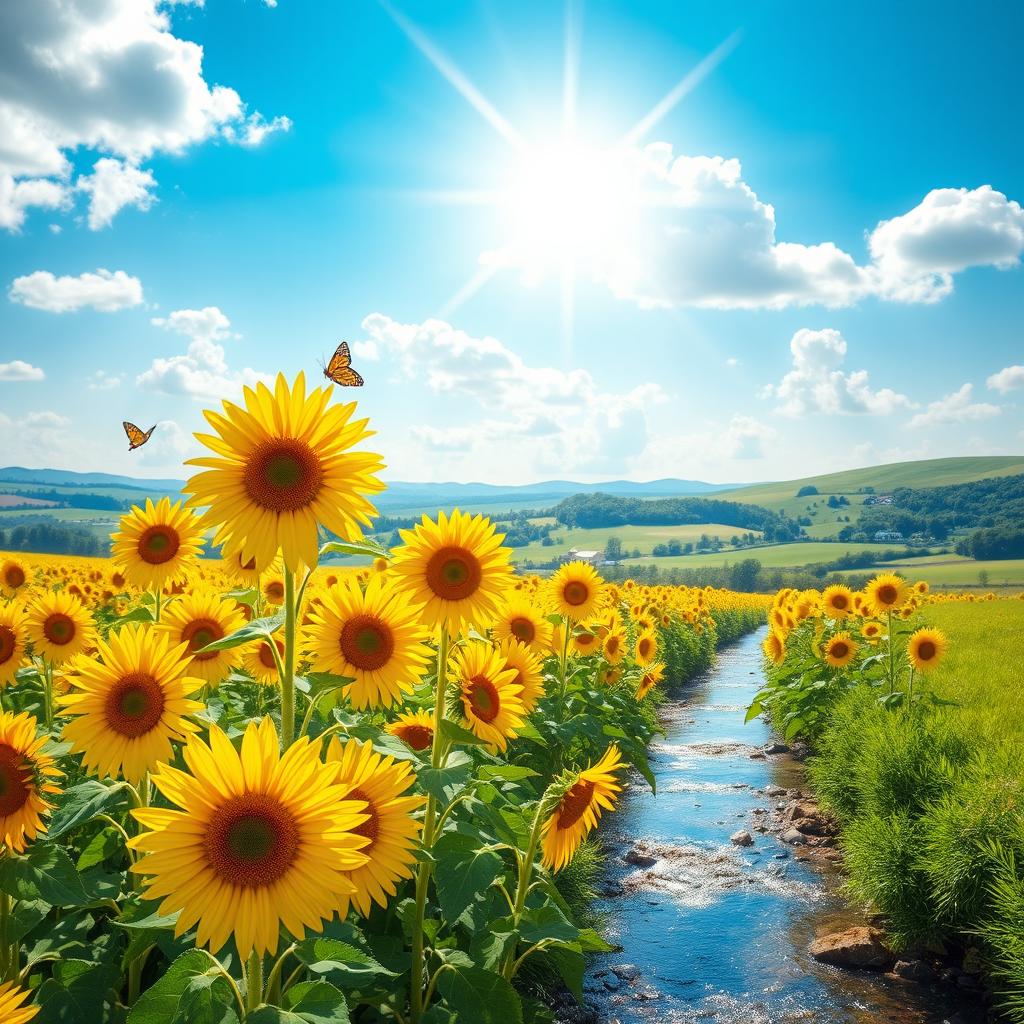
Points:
[(775, 556), (64, 514)]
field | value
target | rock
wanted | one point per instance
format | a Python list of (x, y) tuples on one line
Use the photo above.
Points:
[(781, 855), (741, 838), (809, 826), (641, 860), (756, 755), (801, 809), (914, 970), (612, 983), (973, 963), (626, 972), (793, 837), (759, 810), (774, 791), (776, 748), (860, 946)]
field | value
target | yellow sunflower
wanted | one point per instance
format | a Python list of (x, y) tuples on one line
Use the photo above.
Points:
[(59, 626), (529, 671), (272, 584), (283, 466), (520, 619), (390, 828), (456, 568), (491, 697), (574, 592), (837, 601), (872, 630), (12, 1005), (244, 570), (13, 636), (13, 576), (926, 648), (774, 647), (585, 641), (199, 619), (593, 790), (645, 650), (653, 675), (258, 661), (373, 636), (26, 779), (129, 703), (614, 647), (414, 728), (261, 839), (156, 544), (885, 593), (840, 650)]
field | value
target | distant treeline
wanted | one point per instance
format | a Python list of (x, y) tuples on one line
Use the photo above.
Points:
[(53, 538), (86, 500), (998, 542), (602, 510)]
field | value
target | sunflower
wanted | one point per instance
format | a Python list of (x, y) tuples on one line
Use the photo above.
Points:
[(653, 675), (12, 1008), (885, 593), (261, 839), (272, 584), (645, 650), (12, 642), (198, 619), (520, 619), (456, 568), (921, 588), (614, 647), (414, 728), (574, 592), (244, 570), (59, 626), (840, 650), (592, 790), (13, 576), (391, 829), (774, 647), (157, 544), (130, 702), (491, 697), (585, 641), (529, 671), (872, 630), (282, 467), (372, 636), (837, 601), (926, 648), (26, 779), (258, 661)]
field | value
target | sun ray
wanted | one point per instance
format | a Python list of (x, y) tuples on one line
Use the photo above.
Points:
[(682, 88), (477, 280), (571, 66)]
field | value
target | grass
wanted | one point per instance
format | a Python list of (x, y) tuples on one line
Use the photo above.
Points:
[(954, 571), (64, 514), (773, 556)]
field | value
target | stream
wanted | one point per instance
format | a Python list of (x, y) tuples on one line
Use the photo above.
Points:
[(710, 931)]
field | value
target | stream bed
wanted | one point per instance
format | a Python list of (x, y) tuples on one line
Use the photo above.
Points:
[(714, 932)]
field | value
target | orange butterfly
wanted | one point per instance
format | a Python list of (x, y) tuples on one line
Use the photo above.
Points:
[(339, 369), (136, 438)]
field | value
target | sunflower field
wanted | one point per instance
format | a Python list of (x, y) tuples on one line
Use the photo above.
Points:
[(264, 789)]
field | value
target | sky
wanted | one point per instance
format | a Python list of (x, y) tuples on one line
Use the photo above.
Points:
[(588, 240)]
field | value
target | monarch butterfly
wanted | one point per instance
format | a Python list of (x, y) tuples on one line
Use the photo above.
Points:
[(136, 438), (339, 369)]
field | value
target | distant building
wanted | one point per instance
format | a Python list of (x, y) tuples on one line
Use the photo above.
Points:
[(576, 555), (878, 499), (888, 537)]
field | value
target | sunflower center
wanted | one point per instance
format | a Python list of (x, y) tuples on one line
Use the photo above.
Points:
[(267, 659), (925, 650), (612, 645), (274, 591), (453, 573), (14, 780), (159, 544), (283, 474), (134, 705), (249, 566), (371, 827), (887, 593), (419, 737), (118, 580), (59, 629), (586, 639), (200, 632), (840, 649), (523, 629), (8, 643), (575, 593), (251, 840), (14, 576), (574, 803), (484, 699), (366, 642), (644, 647)]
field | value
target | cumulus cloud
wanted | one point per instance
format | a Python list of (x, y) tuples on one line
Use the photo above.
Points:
[(1010, 378), (104, 291), (817, 382), (37, 439), (957, 407), (111, 77), (111, 187), (101, 380), (18, 369), (206, 324)]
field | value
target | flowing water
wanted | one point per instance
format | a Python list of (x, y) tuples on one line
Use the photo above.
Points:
[(714, 932)]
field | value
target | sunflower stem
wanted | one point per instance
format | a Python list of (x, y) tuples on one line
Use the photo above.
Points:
[(892, 656), (6, 973), (288, 676), (437, 752), (253, 981), (525, 875), (48, 695), (156, 613)]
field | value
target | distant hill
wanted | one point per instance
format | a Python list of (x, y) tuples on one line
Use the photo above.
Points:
[(68, 478)]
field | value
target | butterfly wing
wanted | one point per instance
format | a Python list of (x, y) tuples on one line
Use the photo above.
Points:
[(339, 369), (136, 436)]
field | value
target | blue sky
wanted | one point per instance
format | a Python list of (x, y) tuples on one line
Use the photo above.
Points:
[(749, 241)]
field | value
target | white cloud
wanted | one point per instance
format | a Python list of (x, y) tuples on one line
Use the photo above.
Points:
[(107, 76), (367, 350), (1010, 378), (955, 408), (744, 438), (112, 186), (206, 324), (101, 380), (103, 291), (732, 362), (18, 369), (38, 439), (817, 382)]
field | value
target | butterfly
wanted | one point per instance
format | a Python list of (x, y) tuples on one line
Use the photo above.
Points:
[(136, 438), (339, 369)]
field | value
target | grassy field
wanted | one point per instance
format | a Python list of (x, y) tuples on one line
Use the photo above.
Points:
[(66, 515), (775, 556)]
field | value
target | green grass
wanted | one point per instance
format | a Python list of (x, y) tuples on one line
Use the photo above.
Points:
[(64, 514), (953, 571), (772, 556)]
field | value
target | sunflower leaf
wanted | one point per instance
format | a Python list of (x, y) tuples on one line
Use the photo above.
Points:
[(480, 996), (463, 871), (343, 962), (365, 548), (258, 629), (192, 990), (445, 783), (311, 1002), (453, 733), (44, 872), (84, 802)]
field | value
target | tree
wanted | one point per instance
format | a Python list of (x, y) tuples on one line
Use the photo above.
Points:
[(806, 490), (613, 549)]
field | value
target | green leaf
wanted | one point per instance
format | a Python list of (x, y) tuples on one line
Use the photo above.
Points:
[(106, 843), (570, 964), (506, 772), (451, 732), (44, 872), (76, 992), (591, 942), (365, 548), (258, 629), (347, 965), (311, 1002), (546, 922), (445, 783), (193, 990), (463, 871), (84, 802), (25, 915), (480, 996), (140, 614)]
